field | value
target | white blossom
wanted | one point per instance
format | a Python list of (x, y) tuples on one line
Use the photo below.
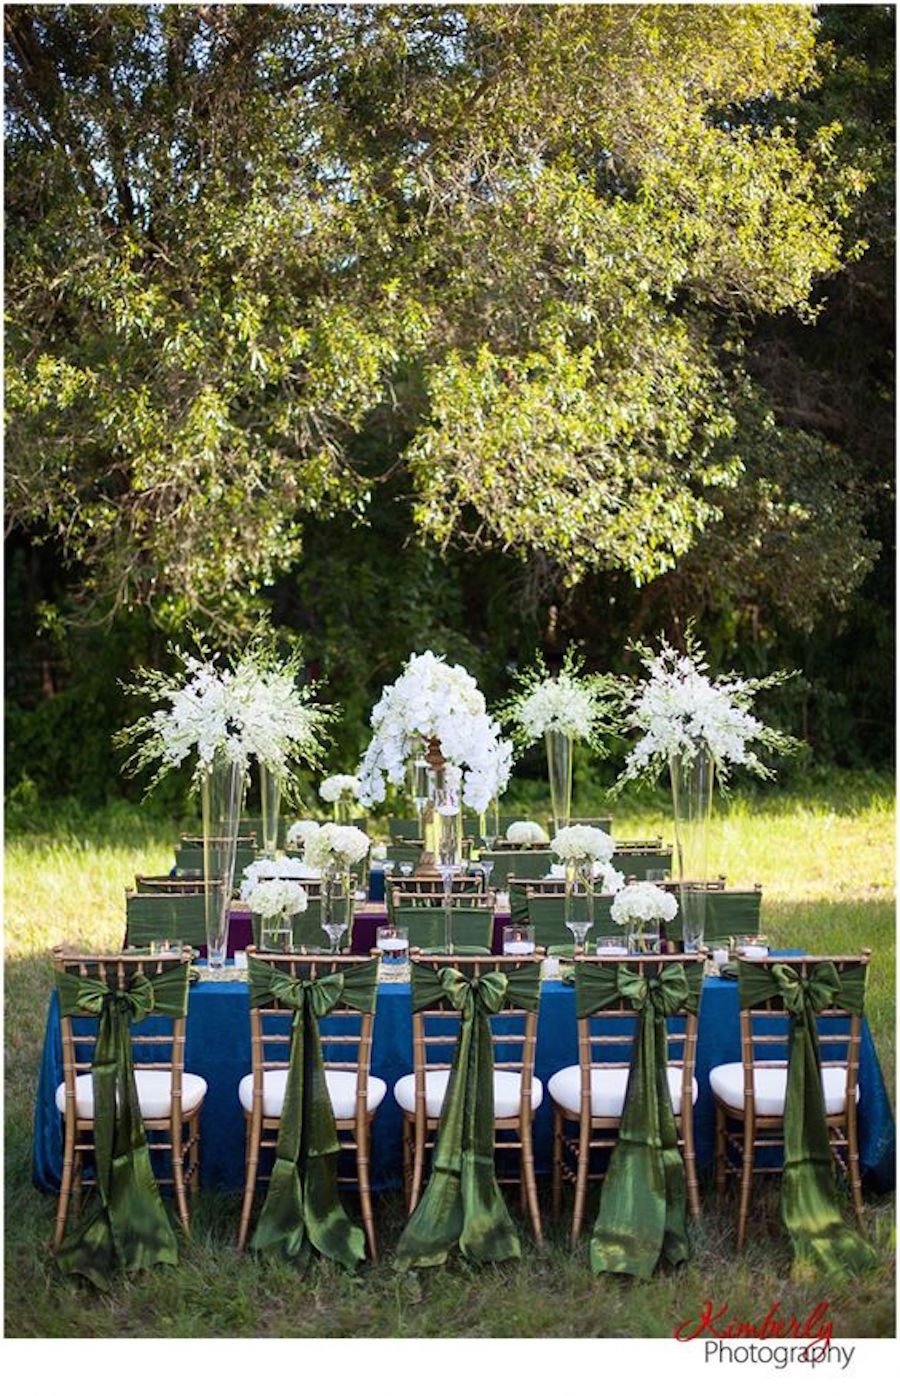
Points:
[(642, 901), (335, 788), (582, 841), (336, 843), (525, 833), (275, 898)]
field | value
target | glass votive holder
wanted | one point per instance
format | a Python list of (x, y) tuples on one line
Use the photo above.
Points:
[(611, 945), (518, 940), (166, 947), (406, 869), (393, 944), (751, 947)]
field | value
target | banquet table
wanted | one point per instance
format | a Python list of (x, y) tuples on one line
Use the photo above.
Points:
[(218, 1049), (368, 917)]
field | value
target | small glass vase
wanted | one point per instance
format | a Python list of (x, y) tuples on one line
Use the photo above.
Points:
[(559, 768), (579, 906), (277, 934), (343, 810), (270, 799), (644, 938), (336, 907), (693, 783), (221, 798)]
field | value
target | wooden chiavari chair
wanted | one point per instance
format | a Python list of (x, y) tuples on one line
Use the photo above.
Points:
[(346, 1037), (169, 1097), (750, 1094), (517, 1091), (591, 1095)]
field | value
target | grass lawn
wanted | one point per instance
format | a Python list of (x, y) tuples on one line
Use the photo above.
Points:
[(825, 859)]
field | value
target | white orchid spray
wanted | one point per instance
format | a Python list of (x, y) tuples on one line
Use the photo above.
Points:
[(258, 709), (433, 699), (678, 708), (576, 704)]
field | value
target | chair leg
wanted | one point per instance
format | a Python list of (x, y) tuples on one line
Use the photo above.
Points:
[(418, 1166), (407, 1162), (530, 1183), (581, 1176), (690, 1164), (853, 1170), (78, 1182), (194, 1155), (65, 1192), (176, 1140), (252, 1168), (721, 1150), (746, 1179), (365, 1192), (557, 1162)]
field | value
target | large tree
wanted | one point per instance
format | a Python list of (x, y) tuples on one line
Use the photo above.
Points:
[(532, 238)]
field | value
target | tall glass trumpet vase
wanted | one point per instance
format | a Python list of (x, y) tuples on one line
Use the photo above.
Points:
[(693, 783), (336, 904), (343, 810), (448, 839), (270, 798), (221, 797), (579, 908), (559, 768)]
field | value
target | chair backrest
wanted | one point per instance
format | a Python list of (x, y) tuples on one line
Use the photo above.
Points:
[(157, 1050), (519, 863), (405, 852), (163, 883), (513, 1030), (189, 860), (603, 822), (429, 885), (766, 1029), (402, 901), (637, 859), (606, 1038), (165, 916), (547, 914), (346, 1034), (196, 841), (425, 926), (403, 828)]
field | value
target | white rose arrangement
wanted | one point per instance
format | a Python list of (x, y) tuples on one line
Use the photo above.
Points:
[(678, 708), (336, 843), (265, 868), (334, 788), (580, 842), (576, 704), (433, 699), (525, 833), (276, 898), (643, 901)]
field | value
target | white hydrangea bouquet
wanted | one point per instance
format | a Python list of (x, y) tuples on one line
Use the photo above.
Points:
[(287, 869), (643, 901), (433, 700), (581, 843), (274, 898), (300, 832), (575, 704), (678, 709), (255, 709), (339, 787), (336, 845), (525, 833)]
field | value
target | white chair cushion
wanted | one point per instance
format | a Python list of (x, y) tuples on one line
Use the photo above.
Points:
[(154, 1089), (607, 1089), (341, 1090), (507, 1093), (770, 1086)]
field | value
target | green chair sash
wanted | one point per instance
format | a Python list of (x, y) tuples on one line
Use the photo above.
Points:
[(303, 1210), (809, 1205), (462, 1204), (129, 1223), (642, 1204)]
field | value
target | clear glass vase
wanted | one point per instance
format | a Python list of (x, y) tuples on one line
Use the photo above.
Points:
[(336, 907), (559, 768), (343, 810), (579, 907), (277, 934), (693, 783), (221, 798), (644, 938), (270, 798)]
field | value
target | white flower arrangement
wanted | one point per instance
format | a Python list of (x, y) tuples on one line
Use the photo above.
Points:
[(433, 699), (264, 868), (573, 703), (642, 901), (276, 898), (678, 708), (613, 879), (257, 709), (334, 788), (579, 842), (525, 833), (300, 832), (336, 843)]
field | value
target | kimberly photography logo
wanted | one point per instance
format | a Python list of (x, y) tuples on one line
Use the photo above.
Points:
[(720, 1331)]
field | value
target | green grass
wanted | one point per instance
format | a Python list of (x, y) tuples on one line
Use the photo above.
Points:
[(825, 857)]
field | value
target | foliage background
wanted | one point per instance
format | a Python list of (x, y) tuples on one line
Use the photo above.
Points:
[(131, 514)]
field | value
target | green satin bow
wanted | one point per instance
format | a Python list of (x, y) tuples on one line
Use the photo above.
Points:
[(462, 1203), (642, 1205), (809, 1205), (129, 1223), (302, 1207)]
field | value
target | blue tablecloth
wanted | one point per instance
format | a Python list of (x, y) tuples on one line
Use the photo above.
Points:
[(218, 1049)]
